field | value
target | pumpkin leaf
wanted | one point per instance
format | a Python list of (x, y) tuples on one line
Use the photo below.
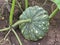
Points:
[(57, 2), (39, 25)]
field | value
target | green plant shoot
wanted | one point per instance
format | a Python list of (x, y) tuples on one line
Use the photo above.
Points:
[(12, 12), (53, 13), (26, 4)]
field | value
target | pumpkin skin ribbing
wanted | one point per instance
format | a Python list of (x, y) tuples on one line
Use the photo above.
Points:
[(39, 25)]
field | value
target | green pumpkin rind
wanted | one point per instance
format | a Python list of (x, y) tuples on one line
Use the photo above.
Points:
[(39, 25)]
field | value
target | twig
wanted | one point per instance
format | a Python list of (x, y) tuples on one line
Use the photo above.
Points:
[(44, 3), (5, 36), (19, 5), (52, 7)]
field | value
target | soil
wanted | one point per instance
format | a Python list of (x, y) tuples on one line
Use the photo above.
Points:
[(53, 35)]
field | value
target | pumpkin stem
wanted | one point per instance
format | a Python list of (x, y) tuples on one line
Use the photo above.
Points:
[(20, 22)]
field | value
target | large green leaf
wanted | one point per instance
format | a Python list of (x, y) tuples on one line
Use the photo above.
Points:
[(39, 25), (57, 2)]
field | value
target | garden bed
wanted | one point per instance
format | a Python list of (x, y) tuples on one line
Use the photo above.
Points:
[(52, 37)]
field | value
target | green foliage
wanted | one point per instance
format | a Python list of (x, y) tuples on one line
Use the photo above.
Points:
[(39, 25), (57, 2)]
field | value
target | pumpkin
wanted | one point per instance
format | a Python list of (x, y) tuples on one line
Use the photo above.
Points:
[(39, 25)]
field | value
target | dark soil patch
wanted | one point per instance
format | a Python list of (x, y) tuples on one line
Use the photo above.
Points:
[(53, 36)]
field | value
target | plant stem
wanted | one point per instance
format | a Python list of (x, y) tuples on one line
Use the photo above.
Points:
[(26, 4), (5, 29), (20, 22), (53, 13), (15, 24), (12, 12), (17, 36)]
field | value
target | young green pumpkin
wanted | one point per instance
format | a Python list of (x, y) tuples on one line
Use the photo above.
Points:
[(39, 25)]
